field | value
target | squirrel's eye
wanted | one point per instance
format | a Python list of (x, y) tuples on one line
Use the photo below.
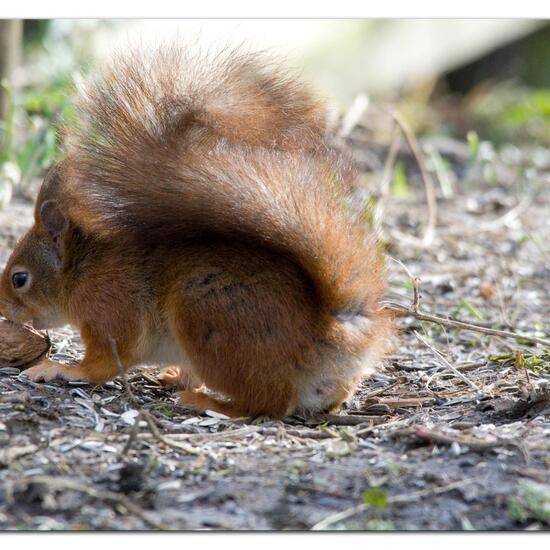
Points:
[(19, 279)]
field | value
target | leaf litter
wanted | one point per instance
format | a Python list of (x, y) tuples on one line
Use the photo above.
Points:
[(452, 432)]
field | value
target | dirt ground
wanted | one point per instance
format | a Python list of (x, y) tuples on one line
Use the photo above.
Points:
[(452, 433)]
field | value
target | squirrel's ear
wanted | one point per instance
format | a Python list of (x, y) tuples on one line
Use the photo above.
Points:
[(54, 221)]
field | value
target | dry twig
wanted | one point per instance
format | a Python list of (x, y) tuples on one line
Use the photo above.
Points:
[(455, 323), (345, 419), (199, 437), (442, 358), (397, 499), (147, 417), (414, 311), (493, 225), (429, 187), (474, 444), (390, 161), (354, 115), (386, 426)]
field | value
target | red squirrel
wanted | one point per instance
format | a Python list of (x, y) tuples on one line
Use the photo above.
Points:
[(200, 219)]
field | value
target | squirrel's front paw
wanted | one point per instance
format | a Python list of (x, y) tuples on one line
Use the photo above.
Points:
[(48, 370)]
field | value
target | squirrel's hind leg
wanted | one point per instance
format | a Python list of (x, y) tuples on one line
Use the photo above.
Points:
[(170, 376), (177, 377), (200, 402)]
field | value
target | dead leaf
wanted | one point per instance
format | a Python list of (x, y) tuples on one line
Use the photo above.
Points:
[(487, 290)]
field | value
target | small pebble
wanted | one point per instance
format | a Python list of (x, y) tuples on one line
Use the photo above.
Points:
[(33, 472), (172, 485), (65, 447), (192, 420), (209, 422), (92, 445), (456, 450), (215, 414), (129, 417)]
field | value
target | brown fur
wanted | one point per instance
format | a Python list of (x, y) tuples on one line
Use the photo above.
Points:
[(199, 218)]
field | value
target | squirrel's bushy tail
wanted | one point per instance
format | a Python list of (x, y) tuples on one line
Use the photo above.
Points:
[(171, 145)]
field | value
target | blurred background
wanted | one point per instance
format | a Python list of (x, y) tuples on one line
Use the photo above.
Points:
[(475, 85)]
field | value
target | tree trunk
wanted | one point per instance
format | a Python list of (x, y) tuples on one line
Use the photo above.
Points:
[(11, 39)]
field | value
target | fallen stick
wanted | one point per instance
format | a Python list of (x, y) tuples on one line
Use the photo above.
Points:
[(447, 322), (446, 363), (200, 437), (397, 499), (414, 311), (344, 419), (386, 426), (389, 164), (395, 403), (147, 417), (429, 187), (474, 444)]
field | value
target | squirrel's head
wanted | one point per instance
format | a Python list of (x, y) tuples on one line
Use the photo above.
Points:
[(31, 284)]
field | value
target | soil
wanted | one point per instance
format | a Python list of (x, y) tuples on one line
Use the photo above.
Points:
[(429, 443)]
